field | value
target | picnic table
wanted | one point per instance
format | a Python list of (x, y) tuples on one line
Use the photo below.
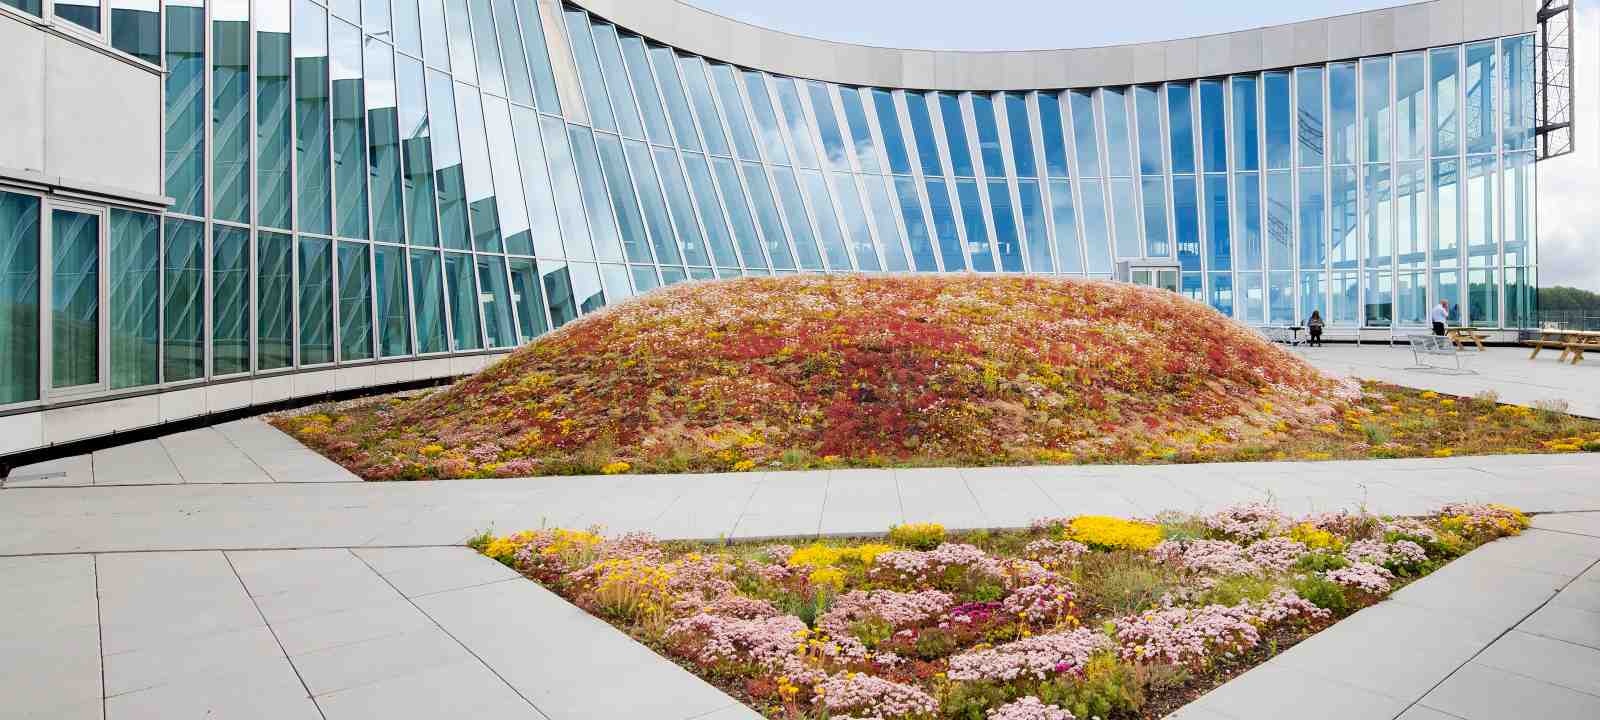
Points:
[(1571, 343), (1463, 335)]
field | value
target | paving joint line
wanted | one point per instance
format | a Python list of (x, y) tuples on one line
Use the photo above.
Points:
[(246, 454), (275, 638), (412, 601), (100, 632)]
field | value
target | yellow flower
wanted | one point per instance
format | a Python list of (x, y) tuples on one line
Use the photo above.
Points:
[(614, 468), (1113, 533), (744, 465), (827, 577), (432, 450), (1315, 538), (1443, 452)]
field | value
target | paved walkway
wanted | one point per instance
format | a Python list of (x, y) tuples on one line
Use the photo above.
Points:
[(1507, 371)]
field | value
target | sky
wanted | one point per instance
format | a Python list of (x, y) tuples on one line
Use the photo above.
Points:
[(1569, 187)]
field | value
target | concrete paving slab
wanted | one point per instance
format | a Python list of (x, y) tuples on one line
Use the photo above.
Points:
[(1555, 553), (423, 571), (1581, 627), (153, 600), (1482, 591), (1581, 523), (457, 690), (281, 456), (206, 456), (351, 665), (49, 619), (1479, 692), (1273, 692), (1009, 500), (1390, 648), (142, 463), (74, 471), (1553, 661)]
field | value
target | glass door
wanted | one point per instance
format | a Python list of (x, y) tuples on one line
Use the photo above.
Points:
[(1163, 278), (77, 352)]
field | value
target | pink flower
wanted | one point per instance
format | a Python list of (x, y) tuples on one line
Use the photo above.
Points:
[(858, 692), (1029, 708), (713, 639), (900, 610), (1362, 576), (1248, 521), (1037, 657), (1040, 605)]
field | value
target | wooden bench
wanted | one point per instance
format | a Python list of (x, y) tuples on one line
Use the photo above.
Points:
[(1578, 344), (1569, 342), (1551, 339), (1424, 347), (1461, 336)]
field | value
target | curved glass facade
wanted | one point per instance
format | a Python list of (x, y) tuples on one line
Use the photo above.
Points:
[(375, 179)]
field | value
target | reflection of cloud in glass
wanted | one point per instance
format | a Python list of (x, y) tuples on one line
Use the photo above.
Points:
[(272, 16), (1569, 219)]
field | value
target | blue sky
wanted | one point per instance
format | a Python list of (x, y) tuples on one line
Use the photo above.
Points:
[(1569, 192)]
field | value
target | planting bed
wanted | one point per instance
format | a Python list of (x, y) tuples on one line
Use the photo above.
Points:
[(1081, 616), (835, 371)]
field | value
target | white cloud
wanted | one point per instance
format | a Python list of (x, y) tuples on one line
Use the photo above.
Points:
[(1569, 187)]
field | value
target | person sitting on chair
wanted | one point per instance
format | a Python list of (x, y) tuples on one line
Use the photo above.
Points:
[(1314, 325), (1439, 316)]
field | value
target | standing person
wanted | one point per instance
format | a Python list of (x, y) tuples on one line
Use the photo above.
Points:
[(1314, 325), (1440, 315)]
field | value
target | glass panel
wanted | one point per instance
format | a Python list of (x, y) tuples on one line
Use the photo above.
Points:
[(482, 206), (1033, 222), (1411, 297), (855, 117), (1344, 243), (490, 77), (316, 303), (766, 120), (955, 134), (32, 7), (1411, 190), (1280, 298), (1311, 219), (1376, 120), (1280, 221), (1275, 100), (1083, 133), (1481, 249), (1125, 213), (1217, 230), (827, 127), (894, 142), (767, 214), (655, 206), (1193, 287), (1180, 125), (230, 110), (569, 198), (705, 109), (827, 222), (944, 224), (1186, 220), (586, 289), (394, 326), (1483, 297), (644, 89), (375, 17), (496, 301), (435, 45), (74, 298), (705, 195), (605, 41), (607, 245), (1342, 113), (508, 178), (1119, 146), (1517, 66), (922, 131), (1096, 234), (407, 27), (350, 9), (230, 300), (273, 103), (666, 65), (1308, 110), (994, 164), (355, 302), (183, 296), (889, 239), (135, 26), (383, 143), (449, 179), (542, 215), (1250, 298), (519, 84), (558, 287), (1055, 144), (1379, 193), (1213, 127), (795, 212), (589, 69), (349, 133), (1222, 293), (1410, 98), (855, 222), (1522, 298), (274, 301), (1447, 286), (1520, 211), (683, 220), (1246, 140), (1443, 66), (733, 106), (1445, 211), (1313, 296), (1147, 110), (1007, 243), (645, 279), (917, 236), (416, 152), (744, 226), (616, 282), (981, 259), (794, 117), (538, 55), (463, 302), (429, 302), (1479, 79), (1155, 217), (85, 13), (134, 309), (635, 242), (186, 105), (1247, 221), (460, 41), (529, 299)]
